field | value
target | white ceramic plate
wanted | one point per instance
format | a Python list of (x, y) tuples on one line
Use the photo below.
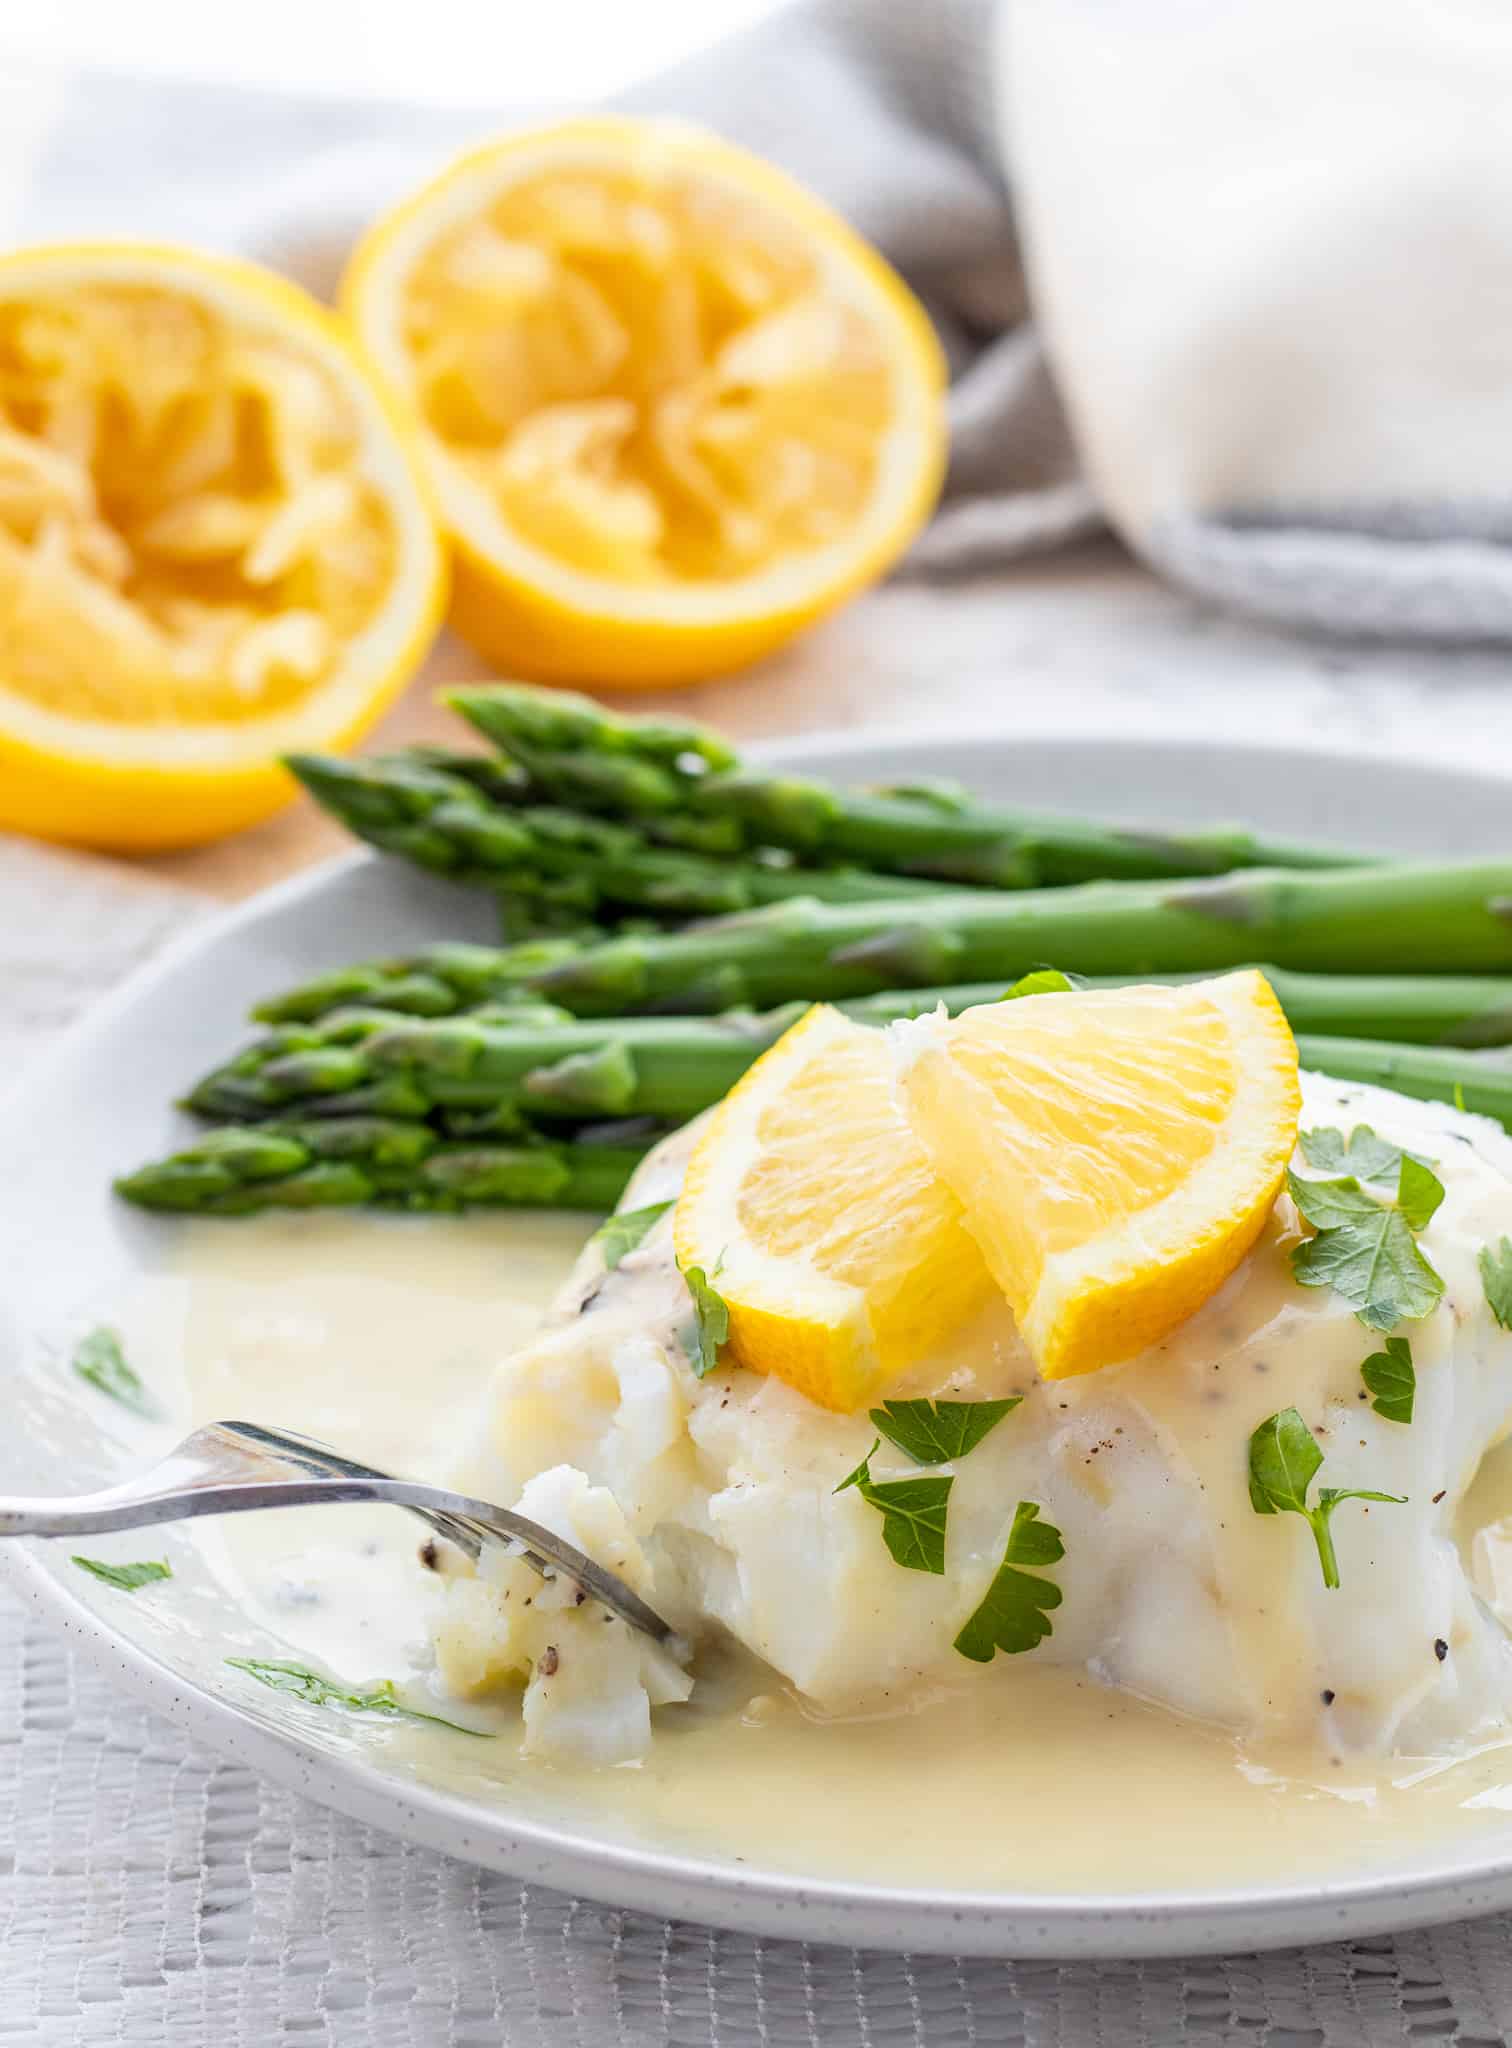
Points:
[(96, 1106)]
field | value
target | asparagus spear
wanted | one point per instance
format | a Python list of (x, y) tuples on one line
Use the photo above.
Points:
[(527, 1064), (374, 1160), (1429, 1009), (584, 757), (565, 722), (1419, 919), (369, 1160), (451, 975), (635, 1066), (1479, 1081), (569, 862), (446, 979), (322, 1070)]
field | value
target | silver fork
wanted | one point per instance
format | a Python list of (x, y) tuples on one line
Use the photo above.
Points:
[(227, 1468)]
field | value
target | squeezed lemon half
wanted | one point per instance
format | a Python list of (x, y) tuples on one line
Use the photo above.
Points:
[(841, 1256), (1115, 1152), (215, 542), (675, 408)]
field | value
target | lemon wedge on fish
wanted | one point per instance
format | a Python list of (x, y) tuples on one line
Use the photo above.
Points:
[(1115, 1152), (811, 1206)]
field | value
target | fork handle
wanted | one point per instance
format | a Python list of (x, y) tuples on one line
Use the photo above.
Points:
[(87, 1514), (97, 1514)]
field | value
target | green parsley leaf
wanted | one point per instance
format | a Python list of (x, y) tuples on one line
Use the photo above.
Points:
[(1283, 1462), (100, 1359), (1377, 1268), (1391, 1378), (321, 1692), (862, 1474), (913, 1514), (1419, 1192), (1031, 1541), (713, 1319), (1013, 1613), (935, 1432), (1362, 1153), (128, 1577), (621, 1233), (1365, 1251), (1044, 981), (1330, 1204), (1495, 1264)]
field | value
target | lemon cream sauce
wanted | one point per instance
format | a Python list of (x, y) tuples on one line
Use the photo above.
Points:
[(381, 1334)]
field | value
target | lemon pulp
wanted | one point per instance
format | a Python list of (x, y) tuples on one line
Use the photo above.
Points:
[(675, 408), (185, 532), (648, 374)]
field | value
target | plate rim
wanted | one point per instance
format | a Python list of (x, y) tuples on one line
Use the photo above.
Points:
[(702, 1888)]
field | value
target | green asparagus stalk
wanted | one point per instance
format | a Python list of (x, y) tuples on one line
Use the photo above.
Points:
[(372, 1160), (1407, 919), (359, 1161), (451, 975), (668, 1067), (600, 786), (578, 755), (444, 980), (1415, 1009), (566, 861), (1479, 1081), (564, 722), (523, 1065)]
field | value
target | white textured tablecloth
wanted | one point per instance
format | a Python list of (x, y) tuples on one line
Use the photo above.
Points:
[(153, 1895)]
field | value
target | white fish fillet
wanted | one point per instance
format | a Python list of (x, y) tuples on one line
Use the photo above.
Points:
[(1173, 1586)]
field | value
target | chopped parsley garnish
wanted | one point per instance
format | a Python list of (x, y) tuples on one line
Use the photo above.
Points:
[(712, 1317), (1014, 1611), (1283, 1462), (913, 1514), (1419, 1192), (128, 1577), (101, 1360), (1044, 981), (935, 1432), (1363, 1153), (1495, 1262), (1365, 1249), (625, 1230), (321, 1692), (1391, 1378)]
